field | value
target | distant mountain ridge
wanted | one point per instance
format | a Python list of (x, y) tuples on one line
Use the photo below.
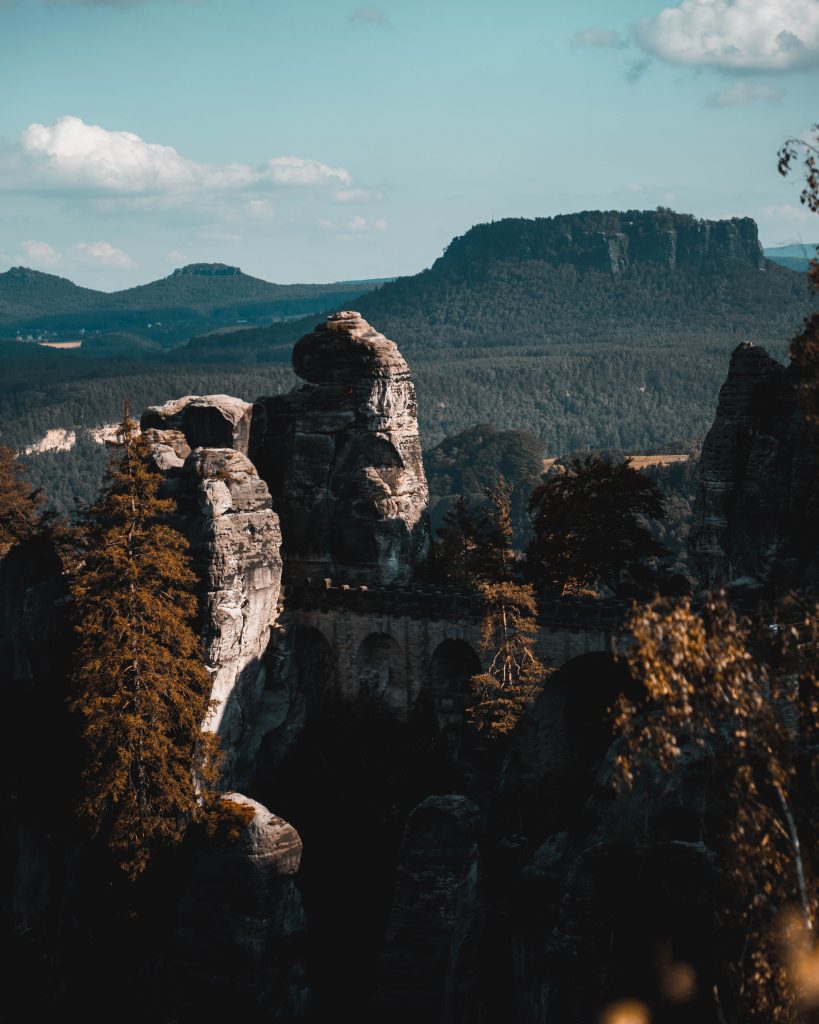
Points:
[(193, 298), (795, 257)]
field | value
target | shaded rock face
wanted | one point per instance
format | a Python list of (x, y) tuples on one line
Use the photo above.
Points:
[(211, 421), (342, 458), (430, 967), (241, 928), (225, 511), (615, 891), (756, 512)]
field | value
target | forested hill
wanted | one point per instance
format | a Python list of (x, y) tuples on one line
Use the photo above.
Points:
[(591, 276), (193, 299)]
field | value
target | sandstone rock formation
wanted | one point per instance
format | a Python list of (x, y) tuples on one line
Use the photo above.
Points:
[(225, 510), (430, 967), (757, 508), (612, 241), (209, 421), (342, 458), (241, 927)]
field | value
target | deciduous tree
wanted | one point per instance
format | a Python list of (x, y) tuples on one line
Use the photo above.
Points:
[(757, 716), (18, 502), (141, 686)]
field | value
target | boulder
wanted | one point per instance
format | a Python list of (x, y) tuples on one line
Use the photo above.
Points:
[(241, 928), (342, 458)]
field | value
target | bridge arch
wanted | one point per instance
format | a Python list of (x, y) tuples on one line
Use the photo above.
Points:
[(382, 672), (452, 665), (316, 666)]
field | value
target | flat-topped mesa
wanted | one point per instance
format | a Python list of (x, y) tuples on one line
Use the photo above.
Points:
[(342, 458)]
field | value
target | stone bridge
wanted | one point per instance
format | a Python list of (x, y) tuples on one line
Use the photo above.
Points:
[(397, 643)]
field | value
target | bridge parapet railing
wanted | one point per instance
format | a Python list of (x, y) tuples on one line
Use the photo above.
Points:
[(427, 601)]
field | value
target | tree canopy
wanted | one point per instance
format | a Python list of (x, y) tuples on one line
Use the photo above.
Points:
[(588, 522)]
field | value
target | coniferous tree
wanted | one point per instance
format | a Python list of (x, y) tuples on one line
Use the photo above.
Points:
[(141, 687), (588, 523), (457, 544), (18, 503), (515, 674)]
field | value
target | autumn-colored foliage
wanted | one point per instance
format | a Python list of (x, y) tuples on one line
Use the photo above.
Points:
[(515, 674), (588, 522), (755, 713), (141, 686), (18, 503)]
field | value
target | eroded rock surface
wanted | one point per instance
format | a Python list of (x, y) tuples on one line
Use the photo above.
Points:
[(225, 511), (209, 421), (342, 458), (430, 968), (757, 508), (241, 931)]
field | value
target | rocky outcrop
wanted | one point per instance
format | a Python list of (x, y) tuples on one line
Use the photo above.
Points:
[(209, 421), (225, 511), (430, 968), (611, 241), (342, 458), (756, 516), (241, 928)]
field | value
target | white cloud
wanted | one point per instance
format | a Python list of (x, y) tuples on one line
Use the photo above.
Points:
[(260, 209), (41, 254), (357, 195), (744, 92), (358, 223), (104, 254), (735, 34), (71, 155), (605, 38), (369, 16)]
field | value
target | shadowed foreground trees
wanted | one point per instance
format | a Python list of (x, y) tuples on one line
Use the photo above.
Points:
[(756, 717), (141, 686)]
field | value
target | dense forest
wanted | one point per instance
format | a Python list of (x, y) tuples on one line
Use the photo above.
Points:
[(518, 325)]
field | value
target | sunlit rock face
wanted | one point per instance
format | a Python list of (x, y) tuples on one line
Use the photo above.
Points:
[(240, 940), (756, 515), (209, 421), (342, 458), (225, 511)]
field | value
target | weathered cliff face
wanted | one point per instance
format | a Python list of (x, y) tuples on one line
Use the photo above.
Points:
[(342, 458), (240, 941), (756, 515), (225, 510), (612, 241)]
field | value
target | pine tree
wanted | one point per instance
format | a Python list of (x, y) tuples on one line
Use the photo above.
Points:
[(509, 626), (142, 689), (457, 544), (589, 523), (18, 503), (515, 674)]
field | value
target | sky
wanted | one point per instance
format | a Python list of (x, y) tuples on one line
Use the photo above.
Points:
[(318, 140)]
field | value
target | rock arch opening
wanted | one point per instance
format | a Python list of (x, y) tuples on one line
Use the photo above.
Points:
[(451, 668), (316, 666), (381, 671)]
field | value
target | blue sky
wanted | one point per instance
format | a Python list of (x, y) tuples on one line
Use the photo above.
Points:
[(317, 140)]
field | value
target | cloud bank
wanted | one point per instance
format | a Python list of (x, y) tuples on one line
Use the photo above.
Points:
[(749, 35), (72, 156)]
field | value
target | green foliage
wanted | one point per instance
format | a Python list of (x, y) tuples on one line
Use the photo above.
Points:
[(141, 687), (586, 522)]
